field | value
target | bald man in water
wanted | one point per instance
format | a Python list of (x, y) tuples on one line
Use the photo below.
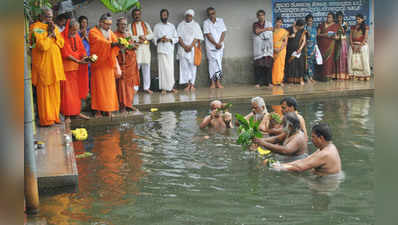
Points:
[(217, 119), (324, 161)]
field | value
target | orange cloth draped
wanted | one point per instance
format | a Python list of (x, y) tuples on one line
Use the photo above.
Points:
[(103, 84), (278, 68), (134, 28), (76, 84), (130, 76), (47, 72)]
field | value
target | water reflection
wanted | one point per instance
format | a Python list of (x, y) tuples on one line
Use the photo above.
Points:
[(164, 171)]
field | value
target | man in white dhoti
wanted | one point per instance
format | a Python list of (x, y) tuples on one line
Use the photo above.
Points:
[(165, 37), (189, 33), (142, 34), (214, 31)]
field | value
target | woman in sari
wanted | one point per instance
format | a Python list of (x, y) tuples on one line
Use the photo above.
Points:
[(341, 48), (358, 54), (311, 43), (326, 42), (280, 42), (295, 56)]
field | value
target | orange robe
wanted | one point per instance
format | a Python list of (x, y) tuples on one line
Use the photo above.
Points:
[(47, 72), (103, 84), (130, 76), (278, 68), (76, 84)]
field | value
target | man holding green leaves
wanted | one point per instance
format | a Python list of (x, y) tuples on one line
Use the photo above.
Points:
[(292, 142)]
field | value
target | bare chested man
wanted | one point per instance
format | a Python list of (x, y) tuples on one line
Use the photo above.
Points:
[(259, 113), (324, 161), (289, 104), (292, 142), (217, 119)]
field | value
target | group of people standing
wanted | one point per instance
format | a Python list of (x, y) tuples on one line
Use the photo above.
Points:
[(66, 52), (64, 73), (296, 54)]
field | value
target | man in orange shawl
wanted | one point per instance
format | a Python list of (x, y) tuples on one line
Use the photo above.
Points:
[(75, 86), (47, 67), (128, 65), (104, 44)]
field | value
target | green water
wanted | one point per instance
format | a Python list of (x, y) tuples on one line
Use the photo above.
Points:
[(164, 171)]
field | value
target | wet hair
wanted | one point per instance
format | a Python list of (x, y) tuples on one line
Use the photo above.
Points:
[(215, 102), (135, 10), (290, 101), (209, 9), (81, 18), (164, 10), (300, 23), (362, 26), (260, 11), (105, 16), (322, 130), (260, 102), (293, 119), (279, 18), (307, 17)]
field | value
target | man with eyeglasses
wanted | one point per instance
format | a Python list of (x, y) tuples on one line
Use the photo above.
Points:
[(104, 44), (47, 68)]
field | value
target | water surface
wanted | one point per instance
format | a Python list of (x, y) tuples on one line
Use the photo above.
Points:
[(164, 171)]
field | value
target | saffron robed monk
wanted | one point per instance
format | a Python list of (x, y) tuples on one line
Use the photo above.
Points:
[(47, 67), (75, 87), (130, 77), (103, 43)]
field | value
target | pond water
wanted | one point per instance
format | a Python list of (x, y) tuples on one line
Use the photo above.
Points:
[(164, 171)]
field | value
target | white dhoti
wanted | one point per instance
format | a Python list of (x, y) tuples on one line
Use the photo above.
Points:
[(146, 75), (187, 71), (214, 58), (166, 71), (358, 63)]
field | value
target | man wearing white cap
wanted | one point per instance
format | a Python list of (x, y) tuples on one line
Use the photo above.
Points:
[(214, 30), (189, 34)]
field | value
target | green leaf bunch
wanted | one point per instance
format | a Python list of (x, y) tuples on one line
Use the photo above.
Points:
[(248, 130)]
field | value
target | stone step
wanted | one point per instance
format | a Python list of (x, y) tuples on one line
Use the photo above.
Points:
[(56, 162)]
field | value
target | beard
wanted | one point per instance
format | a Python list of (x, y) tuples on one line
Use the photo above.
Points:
[(164, 20)]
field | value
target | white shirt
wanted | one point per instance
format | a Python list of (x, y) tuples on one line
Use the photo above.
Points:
[(188, 32), (143, 51), (215, 29), (160, 30)]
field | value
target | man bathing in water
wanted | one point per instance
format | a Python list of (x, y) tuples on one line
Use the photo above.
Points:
[(289, 104), (259, 113), (292, 142), (324, 161), (217, 119)]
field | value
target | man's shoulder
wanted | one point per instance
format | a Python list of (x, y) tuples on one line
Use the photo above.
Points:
[(220, 20)]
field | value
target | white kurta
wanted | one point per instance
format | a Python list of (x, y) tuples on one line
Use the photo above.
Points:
[(143, 51), (188, 33), (165, 54), (214, 55)]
